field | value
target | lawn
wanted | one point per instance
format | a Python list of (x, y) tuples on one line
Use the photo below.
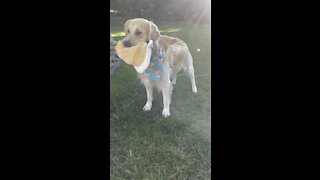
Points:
[(144, 145)]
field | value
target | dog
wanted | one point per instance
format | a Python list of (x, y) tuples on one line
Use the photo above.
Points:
[(177, 57)]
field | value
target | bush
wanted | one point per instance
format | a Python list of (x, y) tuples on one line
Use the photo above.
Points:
[(170, 10)]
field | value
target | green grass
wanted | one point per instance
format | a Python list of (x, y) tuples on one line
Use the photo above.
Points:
[(144, 145)]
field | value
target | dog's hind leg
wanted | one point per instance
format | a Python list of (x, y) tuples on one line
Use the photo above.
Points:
[(149, 89), (173, 70), (190, 74), (174, 76)]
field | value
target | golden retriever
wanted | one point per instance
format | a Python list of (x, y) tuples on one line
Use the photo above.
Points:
[(177, 57)]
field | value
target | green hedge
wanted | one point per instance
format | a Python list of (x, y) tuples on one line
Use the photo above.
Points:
[(198, 11)]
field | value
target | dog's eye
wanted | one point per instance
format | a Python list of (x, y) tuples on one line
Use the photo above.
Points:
[(138, 33), (128, 31)]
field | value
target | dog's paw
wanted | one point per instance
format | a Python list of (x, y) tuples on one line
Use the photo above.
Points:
[(166, 113), (174, 81), (194, 89), (147, 107)]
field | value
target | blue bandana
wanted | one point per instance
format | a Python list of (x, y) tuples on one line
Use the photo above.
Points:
[(154, 71)]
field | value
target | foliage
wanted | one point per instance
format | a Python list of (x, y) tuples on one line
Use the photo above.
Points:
[(169, 10)]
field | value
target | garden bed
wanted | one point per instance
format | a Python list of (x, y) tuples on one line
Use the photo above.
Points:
[(115, 61)]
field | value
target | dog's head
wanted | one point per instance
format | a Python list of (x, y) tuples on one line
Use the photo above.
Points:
[(140, 30)]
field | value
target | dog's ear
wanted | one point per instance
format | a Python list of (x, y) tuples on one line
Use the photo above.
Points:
[(154, 32), (126, 26), (155, 36)]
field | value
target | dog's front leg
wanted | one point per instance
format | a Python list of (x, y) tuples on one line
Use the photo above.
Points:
[(148, 105), (166, 95)]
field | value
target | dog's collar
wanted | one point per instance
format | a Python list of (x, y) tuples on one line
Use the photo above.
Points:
[(154, 70)]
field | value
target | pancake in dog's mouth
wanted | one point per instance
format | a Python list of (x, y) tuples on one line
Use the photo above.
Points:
[(138, 55)]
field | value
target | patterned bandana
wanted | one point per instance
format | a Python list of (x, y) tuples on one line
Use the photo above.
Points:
[(154, 71)]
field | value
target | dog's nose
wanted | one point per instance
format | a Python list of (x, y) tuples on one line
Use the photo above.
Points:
[(127, 44), (147, 41)]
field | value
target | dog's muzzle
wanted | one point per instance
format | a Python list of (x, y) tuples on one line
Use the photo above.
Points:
[(127, 43)]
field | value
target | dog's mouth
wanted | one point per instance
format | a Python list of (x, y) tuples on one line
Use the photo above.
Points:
[(127, 43), (130, 44)]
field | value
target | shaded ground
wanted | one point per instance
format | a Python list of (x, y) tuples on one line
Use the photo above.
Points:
[(143, 145)]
